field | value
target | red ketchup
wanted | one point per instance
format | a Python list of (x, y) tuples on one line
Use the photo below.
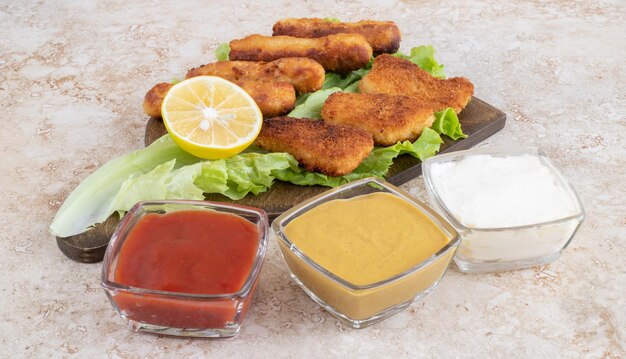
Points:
[(187, 252)]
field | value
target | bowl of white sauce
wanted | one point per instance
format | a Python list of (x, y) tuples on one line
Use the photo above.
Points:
[(512, 207)]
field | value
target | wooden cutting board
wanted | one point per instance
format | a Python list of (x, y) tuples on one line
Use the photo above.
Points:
[(479, 121)]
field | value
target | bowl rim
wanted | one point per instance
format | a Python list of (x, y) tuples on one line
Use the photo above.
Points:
[(500, 151), (450, 232), (137, 211)]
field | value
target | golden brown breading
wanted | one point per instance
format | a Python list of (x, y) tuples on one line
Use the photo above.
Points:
[(395, 76), (154, 99), (334, 150), (340, 53), (383, 36), (273, 98), (388, 118), (305, 74)]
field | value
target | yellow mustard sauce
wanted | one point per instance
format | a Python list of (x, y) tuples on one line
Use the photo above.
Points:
[(366, 239)]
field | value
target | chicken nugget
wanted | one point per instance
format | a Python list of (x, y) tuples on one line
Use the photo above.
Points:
[(154, 99), (273, 98), (306, 75), (340, 53), (388, 118), (383, 36), (334, 150), (396, 76)]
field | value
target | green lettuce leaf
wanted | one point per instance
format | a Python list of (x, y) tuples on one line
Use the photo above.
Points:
[(180, 183), (331, 19), (447, 123), (348, 81), (427, 145), (311, 107), (424, 57), (302, 98), (354, 87), (163, 171), (90, 202), (245, 173), (163, 182), (333, 79), (233, 177), (222, 53)]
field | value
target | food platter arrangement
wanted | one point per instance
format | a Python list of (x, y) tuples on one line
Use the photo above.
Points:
[(301, 138)]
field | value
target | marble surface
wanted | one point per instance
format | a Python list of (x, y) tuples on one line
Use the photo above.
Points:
[(72, 79)]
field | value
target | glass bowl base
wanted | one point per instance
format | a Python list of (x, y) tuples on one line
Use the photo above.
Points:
[(496, 266), (226, 332), (363, 323)]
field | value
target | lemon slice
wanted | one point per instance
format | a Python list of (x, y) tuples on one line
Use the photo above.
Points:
[(210, 117)]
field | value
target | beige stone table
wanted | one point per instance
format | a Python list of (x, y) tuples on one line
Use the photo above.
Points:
[(72, 79)]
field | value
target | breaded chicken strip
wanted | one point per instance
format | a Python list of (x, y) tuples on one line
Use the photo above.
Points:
[(304, 74), (334, 150), (383, 36), (395, 76), (154, 99), (340, 53), (273, 98), (388, 118)]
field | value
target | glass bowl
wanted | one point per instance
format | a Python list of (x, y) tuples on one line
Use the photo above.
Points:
[(508, 248), (362, 305), (182, 313)]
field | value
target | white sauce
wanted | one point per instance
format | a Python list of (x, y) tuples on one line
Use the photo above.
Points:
[(483, 191)]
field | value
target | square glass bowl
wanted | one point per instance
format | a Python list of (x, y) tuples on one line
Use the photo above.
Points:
[(176, 313), (362, 305), (485, 250)]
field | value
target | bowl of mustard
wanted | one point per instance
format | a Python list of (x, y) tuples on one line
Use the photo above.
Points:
[(366, 250)]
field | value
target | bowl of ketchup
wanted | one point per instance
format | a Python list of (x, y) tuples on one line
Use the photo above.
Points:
[(185, 268)]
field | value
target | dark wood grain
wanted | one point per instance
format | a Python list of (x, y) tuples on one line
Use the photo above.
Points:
[(479, 120), (90, 246)]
